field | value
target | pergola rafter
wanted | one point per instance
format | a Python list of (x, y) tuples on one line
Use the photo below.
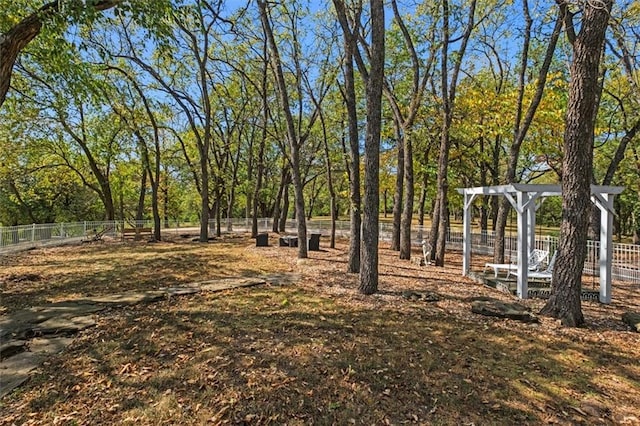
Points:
[(523, 198)]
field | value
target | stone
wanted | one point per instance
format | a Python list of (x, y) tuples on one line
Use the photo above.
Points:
[(130, 298), (180, 291), (497, 308), (63, 325), (633, 320), (12, 347), (15, 370), (21, 324), (229, 283)]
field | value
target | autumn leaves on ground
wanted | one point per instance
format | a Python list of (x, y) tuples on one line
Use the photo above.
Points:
[(311, 352)]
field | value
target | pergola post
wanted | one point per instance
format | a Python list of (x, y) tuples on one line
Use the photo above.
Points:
[(466, 233), (531, 228), (605, 204), (523, 244)]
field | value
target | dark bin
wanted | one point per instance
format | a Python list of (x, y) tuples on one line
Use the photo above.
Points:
[(314, 242), (262, 240)]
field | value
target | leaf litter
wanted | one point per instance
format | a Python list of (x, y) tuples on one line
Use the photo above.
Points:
[(314, 351)]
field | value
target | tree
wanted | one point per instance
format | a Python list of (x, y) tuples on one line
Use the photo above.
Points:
[(440, 217), (296, 134), (26, 29), (353, 164), (80, 134), (371, 199), (189, 42), (404, 117), (623, 93), (577, 164), (151, 164)]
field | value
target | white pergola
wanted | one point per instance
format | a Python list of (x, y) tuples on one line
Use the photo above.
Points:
[(525, 200)]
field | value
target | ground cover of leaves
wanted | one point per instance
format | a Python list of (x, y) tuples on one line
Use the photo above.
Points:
[(313, 352)]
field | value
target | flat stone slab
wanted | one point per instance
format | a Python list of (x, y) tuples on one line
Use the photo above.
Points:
[(229, 283), (497, 308), (11, 347), (130, 298), (15, 370), (633, 320), (180, 291), (63, 325), (21, 323)]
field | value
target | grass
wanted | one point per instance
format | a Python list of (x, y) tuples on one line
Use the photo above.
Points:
[(313, 352)]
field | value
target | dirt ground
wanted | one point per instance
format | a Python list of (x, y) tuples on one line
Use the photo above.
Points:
[(315, 351)]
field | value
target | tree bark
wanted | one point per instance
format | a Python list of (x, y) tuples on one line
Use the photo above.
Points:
[(353, 263), (398, 193), (284, 213), (577, 165), (142, 191), (263, 141), (370, 225), (279, 202)]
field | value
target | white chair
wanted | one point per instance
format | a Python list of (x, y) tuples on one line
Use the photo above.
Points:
[(547, 273), (536, 258)]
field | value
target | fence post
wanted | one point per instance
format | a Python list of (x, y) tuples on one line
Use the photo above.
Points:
[(33, 232)]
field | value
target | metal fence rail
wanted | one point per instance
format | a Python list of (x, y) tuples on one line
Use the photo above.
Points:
[(625, 259)]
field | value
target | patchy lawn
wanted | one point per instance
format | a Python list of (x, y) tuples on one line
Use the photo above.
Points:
[(314, 352)]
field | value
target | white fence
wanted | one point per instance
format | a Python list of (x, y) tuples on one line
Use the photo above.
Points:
[(625, 261)]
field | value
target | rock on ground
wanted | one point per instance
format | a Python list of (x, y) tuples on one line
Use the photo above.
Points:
[(497, 308), (633, 320)]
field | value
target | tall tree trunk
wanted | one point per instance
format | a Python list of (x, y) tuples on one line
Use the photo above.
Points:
[(218, 211), (284, 214), (448, 100), (407, 207), (355, 215), (330, 185), (398, 193), (277, 207), (141, 194), (522, 124), (371, 202), (292, 136), (423, 200), (165, 197), (577, 164), (353, 163), (263, 141)]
